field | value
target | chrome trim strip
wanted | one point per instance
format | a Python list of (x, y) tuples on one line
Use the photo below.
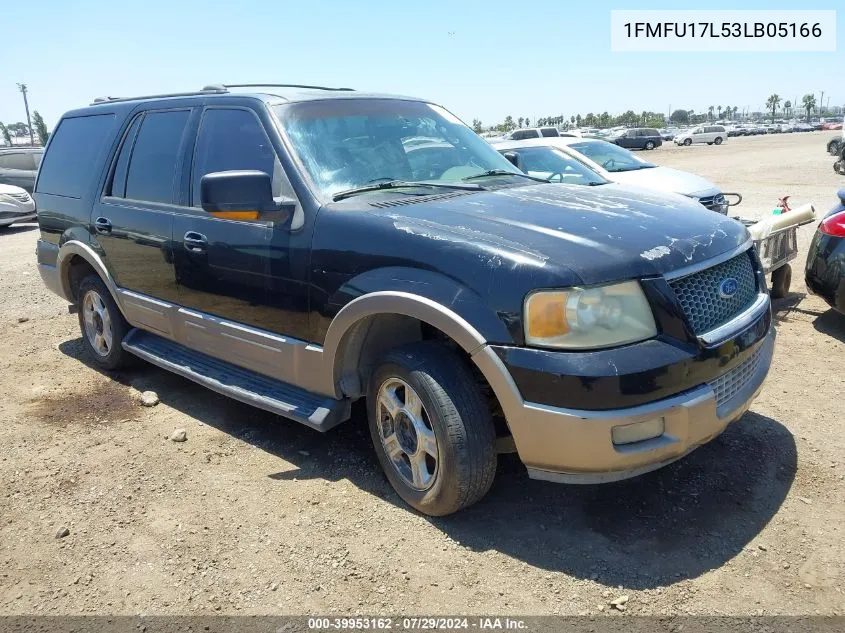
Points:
[(708, 263), (741, 321)]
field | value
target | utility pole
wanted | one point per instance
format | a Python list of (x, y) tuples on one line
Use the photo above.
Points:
[(22, 88), (821, 104)]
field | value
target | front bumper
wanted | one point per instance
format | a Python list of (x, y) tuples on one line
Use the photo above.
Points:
[(12, 213), (563, 416)]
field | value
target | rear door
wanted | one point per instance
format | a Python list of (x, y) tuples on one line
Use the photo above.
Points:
[(133, 219)]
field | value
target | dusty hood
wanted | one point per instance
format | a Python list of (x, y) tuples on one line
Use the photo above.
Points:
[(11, 189), (603, 233), (666, 179)]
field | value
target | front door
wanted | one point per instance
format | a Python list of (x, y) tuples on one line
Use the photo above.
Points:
[(133, 220), (225, 266)]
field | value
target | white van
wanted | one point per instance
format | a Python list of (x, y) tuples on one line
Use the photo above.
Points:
[(710, 134)]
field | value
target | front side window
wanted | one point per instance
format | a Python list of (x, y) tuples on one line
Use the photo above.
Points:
[(555, 165), (234, 139), (348, 143), (152, 166), (610, 156)]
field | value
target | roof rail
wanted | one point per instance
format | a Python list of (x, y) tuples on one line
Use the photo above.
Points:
[(207, 90), (280, 86)]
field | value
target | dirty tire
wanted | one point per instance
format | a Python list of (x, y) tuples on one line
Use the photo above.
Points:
[(459, 417), (687, 142), (718, 140), (833, 147), (649, 145), (781, 279), (116, 357)]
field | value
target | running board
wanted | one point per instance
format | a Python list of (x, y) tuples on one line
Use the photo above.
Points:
[(318, 412)]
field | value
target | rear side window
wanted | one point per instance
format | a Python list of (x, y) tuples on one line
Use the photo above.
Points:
[(71, 160), (232, 139), (152, 165), (17, 161), (549, 131), (521, 135), (121, 168)]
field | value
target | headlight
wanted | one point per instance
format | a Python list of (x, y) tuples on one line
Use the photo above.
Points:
[(588, 318)]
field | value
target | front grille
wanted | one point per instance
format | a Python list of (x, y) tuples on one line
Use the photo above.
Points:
[(699, 293), (20, 197), (732, 382), (715, 203)]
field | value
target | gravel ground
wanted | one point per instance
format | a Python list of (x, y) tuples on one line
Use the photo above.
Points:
[(254, 514)]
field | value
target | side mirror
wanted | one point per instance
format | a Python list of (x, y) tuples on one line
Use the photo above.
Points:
[(242, 195), (513, 158)]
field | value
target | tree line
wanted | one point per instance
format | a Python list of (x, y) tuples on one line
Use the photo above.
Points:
[(645, 118), (22, 129)]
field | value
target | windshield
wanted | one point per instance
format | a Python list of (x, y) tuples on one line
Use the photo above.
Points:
[(344, 144), (554, 165), (612, 157)]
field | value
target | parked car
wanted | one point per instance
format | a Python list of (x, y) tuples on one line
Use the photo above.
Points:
[(638, 138), (19, 165), (532, 132), (617, 164), (16, 205), (550, 163), (834, 145), (825, 270), (668, 134), (301, 260), (710, 134)]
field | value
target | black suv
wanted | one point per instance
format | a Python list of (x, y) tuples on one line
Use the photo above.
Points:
[(299, 249), (639, 138), (19, 165)]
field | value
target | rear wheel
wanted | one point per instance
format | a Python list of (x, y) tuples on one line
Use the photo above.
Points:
[(833, 147), (649, 145), (718, 140), (431, 428), (687, 142), (781, 279), (103, 326)]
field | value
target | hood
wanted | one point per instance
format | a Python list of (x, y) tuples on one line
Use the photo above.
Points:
[(11, 189), (667, 179), (600, 234)]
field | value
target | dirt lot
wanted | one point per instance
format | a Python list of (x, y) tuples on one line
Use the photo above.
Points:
[(254, 514)]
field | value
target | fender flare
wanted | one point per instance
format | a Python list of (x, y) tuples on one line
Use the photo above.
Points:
[(73, 248), (428, 311)]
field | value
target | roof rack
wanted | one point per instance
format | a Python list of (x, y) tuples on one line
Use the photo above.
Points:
[(304, 87), (215, 89), (207, 90)]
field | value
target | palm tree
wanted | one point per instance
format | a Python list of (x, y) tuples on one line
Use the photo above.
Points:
[(728, 111), (772, 103), (520, 119), (735, 109), (710, 111), (719, 112), (809, 102), (787, 106)]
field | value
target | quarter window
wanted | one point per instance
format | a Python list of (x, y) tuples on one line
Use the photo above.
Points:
[(152, 166)]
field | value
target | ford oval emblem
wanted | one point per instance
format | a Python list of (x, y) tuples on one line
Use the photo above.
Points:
[(728, 288)]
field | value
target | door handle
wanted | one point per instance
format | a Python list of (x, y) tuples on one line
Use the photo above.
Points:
[(195, 242), (102, 225)]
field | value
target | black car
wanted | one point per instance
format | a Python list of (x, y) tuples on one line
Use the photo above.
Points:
[(19, 165), (825, 271), (300, 249), (639, 138)]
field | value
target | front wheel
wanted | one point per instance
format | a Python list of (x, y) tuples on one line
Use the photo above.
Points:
[(103, 326), (718, 140), (687, 142), (649, 145), (833, 147), (431, 428)]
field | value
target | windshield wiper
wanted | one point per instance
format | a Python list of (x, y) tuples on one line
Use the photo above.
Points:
[(396, 184), (503, 172)]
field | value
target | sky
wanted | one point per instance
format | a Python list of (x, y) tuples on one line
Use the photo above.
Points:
[(481, 60)]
